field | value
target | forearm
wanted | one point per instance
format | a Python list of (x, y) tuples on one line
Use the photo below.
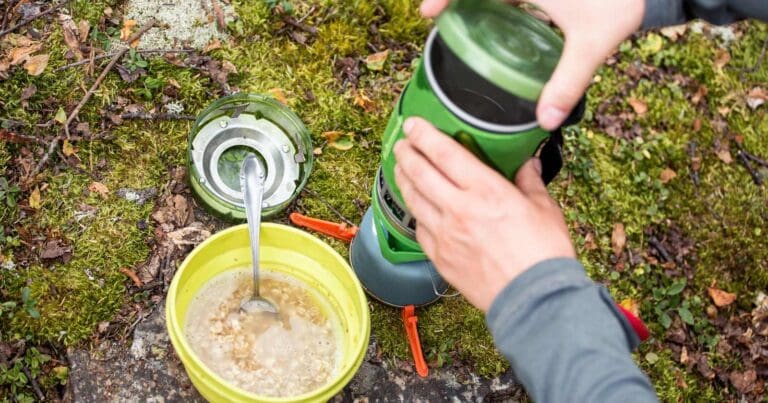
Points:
[(659, 13), (565, 339)]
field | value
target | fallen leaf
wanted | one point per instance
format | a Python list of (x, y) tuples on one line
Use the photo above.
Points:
[(212, 45), (53, 249), (228, 67), (36, 64), (589, 242), (674, 32), (756, 97), (279, 95), (653, 43), (722, 58), (721, 298), (697, 125), (127, 29), (317, 151), (632, 306), (701, 92), (70, 31), (375, 62), (725, 155), (21, 54), (364, 102), (339, 140), (640, 107), (61, 116), (667, 175), (34, 199), (684, 355), (618, 239), (67, 148), (99, 188), (83, 29), (744, 382)]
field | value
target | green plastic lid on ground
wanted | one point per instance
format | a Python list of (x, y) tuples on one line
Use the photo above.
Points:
[(238, 125), (502, 43)]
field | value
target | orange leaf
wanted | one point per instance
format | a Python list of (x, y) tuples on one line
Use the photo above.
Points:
[(364, 102), (667, 175), (36, 64), (722, 58), (99, 188), (618, 238), (640, 107), (720, 297), (21, 54), (127, 29), (279, 95), (34, 199), (375, 62), (67, 148)]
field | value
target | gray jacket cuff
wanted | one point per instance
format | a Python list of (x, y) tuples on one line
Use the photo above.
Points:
[(663, 13)]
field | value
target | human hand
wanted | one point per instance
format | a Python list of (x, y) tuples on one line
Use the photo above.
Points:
[(480, 230), (593, 29)]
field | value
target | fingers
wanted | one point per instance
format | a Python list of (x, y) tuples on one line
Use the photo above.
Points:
[(426, 213), (568, 83), (449, 157), (528, 180), (413, 165), (432, 8)]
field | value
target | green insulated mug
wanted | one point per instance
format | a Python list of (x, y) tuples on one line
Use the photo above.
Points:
[(482, 70)]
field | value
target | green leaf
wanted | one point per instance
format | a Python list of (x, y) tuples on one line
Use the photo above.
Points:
[(25, 295), (34, 313), (685, 315), (651, 358), (61, 116), (676, 288), (666, 321)]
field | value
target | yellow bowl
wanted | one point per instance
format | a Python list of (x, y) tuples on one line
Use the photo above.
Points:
[(284, 250)]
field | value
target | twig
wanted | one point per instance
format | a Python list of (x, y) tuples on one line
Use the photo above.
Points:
[(752, 157), (32, 18), (330, 207), (8, 9), (660, 248), (35, 385), (128, 272), (296, 24), (692, 156), (219, 15), (756, 177), (55, 142), (156, 116), (16, 138), (107, 55), (758, 63)]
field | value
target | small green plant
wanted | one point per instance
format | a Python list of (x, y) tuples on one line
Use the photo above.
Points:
[(29, 303), (14, 383), (134, 61), (285, 5), (106, 38), (441, 355), (669, 300), (8, 193)]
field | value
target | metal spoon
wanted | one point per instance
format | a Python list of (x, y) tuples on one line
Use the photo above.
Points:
[(252, 185)]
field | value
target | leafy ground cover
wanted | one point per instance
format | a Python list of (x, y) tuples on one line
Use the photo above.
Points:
[(662, 187)]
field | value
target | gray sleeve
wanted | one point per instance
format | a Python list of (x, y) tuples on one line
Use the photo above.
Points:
[(660, 13), (565, 338)]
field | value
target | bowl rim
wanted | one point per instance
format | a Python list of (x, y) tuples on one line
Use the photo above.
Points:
[(173, 325)]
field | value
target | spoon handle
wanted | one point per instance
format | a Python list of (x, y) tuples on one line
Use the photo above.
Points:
[(252, 184)]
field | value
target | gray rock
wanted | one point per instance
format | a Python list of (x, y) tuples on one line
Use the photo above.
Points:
[(138, 196)]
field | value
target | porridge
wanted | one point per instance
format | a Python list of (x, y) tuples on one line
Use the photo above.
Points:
[(278, 356)]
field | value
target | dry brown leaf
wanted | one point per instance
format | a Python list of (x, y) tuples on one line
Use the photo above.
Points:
[(375, 62), (317, 151), (70, 31), (640, 107), (212, 45), (127, 29), (756, 97), (21, 54), (589, 242), (228, 67), (632, 306), (674, 32), (364, 102), (684, 355), (725, 156), (722, 58), (667, 175), (618, 239), (99, 188), (279, 95), (84, 28), (697, 125), (721, 298), (36, 64), (34, 199), (340, 140), (701, 92)]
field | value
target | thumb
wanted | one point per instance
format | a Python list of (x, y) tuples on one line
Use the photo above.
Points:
[(432, 8), (568, 83), (528, 179)]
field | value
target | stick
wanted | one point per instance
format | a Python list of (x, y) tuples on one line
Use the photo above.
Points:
[(660, 248), (754, 174), (16, 138), (89, 94), (107, 55), (8, 9), (337, 212), (128, 272), (35, 385), (156, 116), (32, 18), (219, 15)]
